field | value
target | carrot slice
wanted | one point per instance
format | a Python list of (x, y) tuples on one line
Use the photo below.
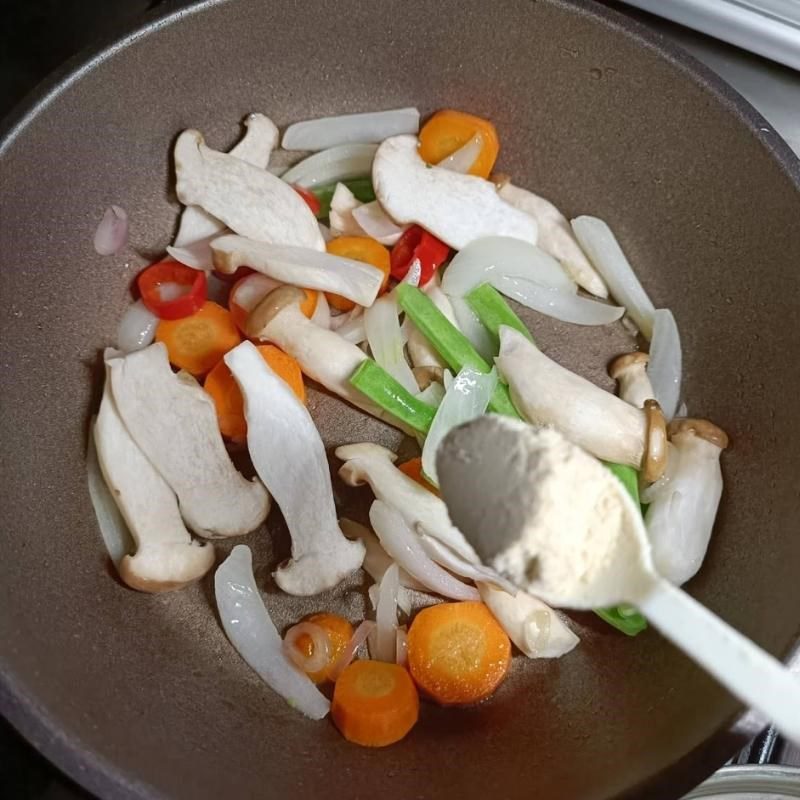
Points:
[(227, 397), (198, 342), (249, 291), (359, 248), (413, 469), (339, 631), (457, 652), (448, 130), (374, 703)]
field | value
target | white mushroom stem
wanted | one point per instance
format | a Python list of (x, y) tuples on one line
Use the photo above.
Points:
[(546, 393), (249, 200), (630, 373), (535, 628), (288, 454), (556, 237), (455, 208), (255, 147), (423, 355), (300, 266), (174, 423), (681, 515), (323, 355), (166, 557), (373, 464)]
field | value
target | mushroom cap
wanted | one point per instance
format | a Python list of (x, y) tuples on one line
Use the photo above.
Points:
[(699, 427), (623, 363), (271, 306)]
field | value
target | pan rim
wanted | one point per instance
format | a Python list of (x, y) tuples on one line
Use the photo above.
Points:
[(96, 773)]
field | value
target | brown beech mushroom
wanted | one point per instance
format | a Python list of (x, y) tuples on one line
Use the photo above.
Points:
[(630, 372)]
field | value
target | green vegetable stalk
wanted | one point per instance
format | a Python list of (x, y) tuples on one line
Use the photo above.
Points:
[(360, 187), (493, 311), (449, 342), (379, 386)]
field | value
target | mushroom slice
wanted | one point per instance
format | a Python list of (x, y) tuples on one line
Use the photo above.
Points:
[(373, 464), (255, 147), (454, 207), (630, 372), (300, 266), (288, 454), (548, 394), (532, 625), (323, 355), (166, 558), (555, 237), (174, 423), (680, 517), (253, 633), (249, 200)]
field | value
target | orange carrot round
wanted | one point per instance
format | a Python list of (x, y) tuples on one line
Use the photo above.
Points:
[(198, 342), (457, 652), (359, 248), (413, 469), (448, 130), (374, 703), (339, 632), (227, 397)]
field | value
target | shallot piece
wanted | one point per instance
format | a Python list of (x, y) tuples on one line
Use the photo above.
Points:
[(288, 455), (320, 647), (370, 127), (403, 545), (112, 232), (360, 635), (385, 635), (247, 624)]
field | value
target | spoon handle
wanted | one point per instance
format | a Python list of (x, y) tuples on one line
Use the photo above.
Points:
[(747, 671)]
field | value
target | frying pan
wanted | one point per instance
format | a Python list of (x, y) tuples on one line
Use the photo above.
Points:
[(141, 696)]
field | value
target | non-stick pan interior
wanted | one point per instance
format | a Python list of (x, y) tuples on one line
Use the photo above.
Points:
[(141, 695)]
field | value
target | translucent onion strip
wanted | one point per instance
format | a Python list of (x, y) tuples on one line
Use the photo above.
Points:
[(385, 635), (382, 326), (377, 224), (401, 646), (463, 158), (137, 328), (603, 250), (362, 632), (665, 365), (335, 164), (373, 126)]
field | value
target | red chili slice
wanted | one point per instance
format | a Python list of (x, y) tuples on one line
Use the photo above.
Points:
[(311, 199), (417, 243), (171, 272)]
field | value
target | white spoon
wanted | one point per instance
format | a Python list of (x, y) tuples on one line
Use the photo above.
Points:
[(553, 519)]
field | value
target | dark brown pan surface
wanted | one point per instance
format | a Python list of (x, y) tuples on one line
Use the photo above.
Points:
[(139, 695)]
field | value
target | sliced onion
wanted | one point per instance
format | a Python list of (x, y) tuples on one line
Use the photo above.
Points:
[(137, 328), (665, 365), (353, 330), (197, 255), (603, 250), (401, 544), (112, 232), (250, 291), (343, 204), (465, 400), (401, 646), (217, 290), (432, 394), (446, 558), (172, 291), (463, 158), (336, 164), (382, 327), (486, 260), (385, 637), (116, 536), (326, 232), (373, 126), (358, 638), (341, 318), (248, 625), (566, 306), (377, 224), (320, 647), (473, 328), (322, 313)]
